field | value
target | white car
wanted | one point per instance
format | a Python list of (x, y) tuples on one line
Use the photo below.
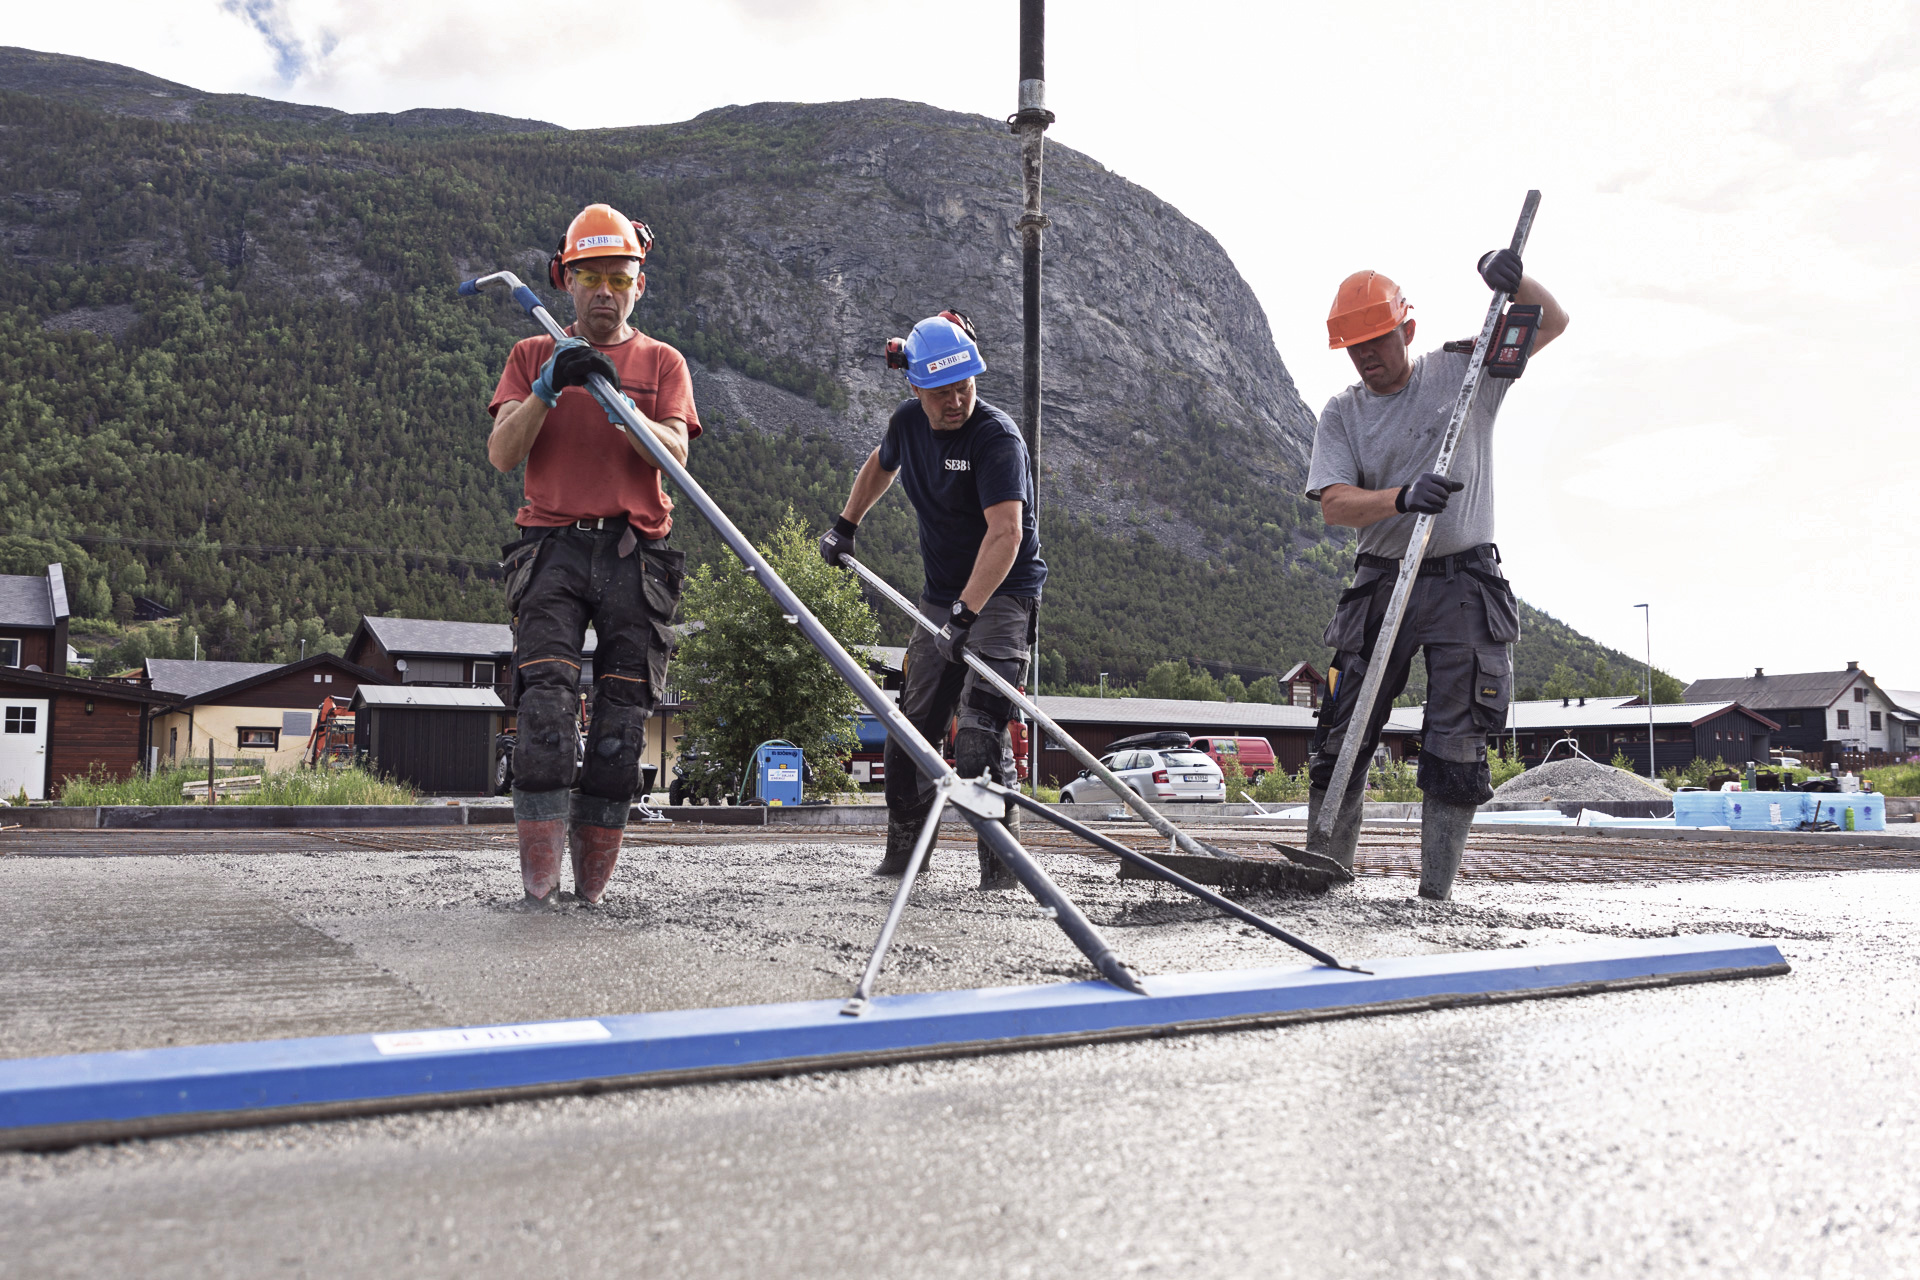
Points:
[(1176, 774)]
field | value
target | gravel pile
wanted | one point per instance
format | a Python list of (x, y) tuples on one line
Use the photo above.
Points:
[(1581, 781)]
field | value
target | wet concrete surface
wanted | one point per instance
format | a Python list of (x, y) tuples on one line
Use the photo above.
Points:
[(1766, 1127)]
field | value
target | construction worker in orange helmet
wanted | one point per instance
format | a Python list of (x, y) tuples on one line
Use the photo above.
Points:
[(1372, 470), (592, 548)]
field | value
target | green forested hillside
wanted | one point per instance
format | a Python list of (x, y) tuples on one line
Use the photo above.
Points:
[(234, 378)]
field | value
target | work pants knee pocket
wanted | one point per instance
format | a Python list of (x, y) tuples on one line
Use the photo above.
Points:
[(547, 738), (1492, 686)]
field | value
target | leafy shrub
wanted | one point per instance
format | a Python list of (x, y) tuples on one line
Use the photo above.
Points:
[(1896, 779), (1396, 780), (1503, 770), (1279, 787)]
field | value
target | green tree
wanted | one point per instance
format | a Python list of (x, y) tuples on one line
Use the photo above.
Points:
[(1233, 688), (1563, 683), (753, 676), (1266, 689), (1666, 689)]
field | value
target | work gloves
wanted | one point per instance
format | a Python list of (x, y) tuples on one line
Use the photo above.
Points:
[(1427, 495), (838, 541), (1500, 268), (572, 362), (951, 643)]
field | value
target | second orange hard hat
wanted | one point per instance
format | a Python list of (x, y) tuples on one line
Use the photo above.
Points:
[(599, 231), (1367, 306)]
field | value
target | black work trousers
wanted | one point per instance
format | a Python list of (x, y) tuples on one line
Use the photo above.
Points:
[(937, 691), (559, 581), (1463, 614)]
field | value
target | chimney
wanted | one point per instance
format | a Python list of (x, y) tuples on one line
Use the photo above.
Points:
[(1853, 666), (1758, 674), (1583, 699), (1566, 702)]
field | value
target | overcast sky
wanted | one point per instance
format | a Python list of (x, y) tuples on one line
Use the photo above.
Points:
[(1726, 432)]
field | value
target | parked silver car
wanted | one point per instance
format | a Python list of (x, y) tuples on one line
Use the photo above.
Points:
[(1177, 774)]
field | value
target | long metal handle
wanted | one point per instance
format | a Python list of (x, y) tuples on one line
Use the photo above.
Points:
[(1362, 713), (1173, 877), (1133, 799), (981, 808)]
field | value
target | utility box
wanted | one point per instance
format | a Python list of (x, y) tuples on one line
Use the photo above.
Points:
[(777, 767)]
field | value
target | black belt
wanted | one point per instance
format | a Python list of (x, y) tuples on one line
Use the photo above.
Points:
[(1436, 566)]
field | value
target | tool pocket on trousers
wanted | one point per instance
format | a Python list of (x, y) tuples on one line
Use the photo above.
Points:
[(1503, 611), (662, 573), (1348, 630), (521, 559), (1492, 687)]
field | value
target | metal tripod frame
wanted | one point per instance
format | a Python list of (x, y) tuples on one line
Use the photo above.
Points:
[(982, 808), (1362, 713), (1154, 817)]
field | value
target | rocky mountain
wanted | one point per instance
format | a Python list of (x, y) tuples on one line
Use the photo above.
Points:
[(254, 301)]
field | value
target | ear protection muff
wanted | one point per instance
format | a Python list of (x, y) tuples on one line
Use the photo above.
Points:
[(966, 325), (896, 353)]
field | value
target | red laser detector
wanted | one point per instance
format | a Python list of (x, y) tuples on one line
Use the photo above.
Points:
[(1507, 357)]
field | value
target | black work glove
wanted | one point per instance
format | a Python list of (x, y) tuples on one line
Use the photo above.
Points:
[(837, 541), (573, 365), (1500, 268), (952, 640), (1427, 495)]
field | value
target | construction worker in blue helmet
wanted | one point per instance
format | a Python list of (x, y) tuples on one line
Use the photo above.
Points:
[(966, 471)]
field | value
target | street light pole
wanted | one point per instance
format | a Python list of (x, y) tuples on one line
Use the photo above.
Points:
[(1030, 123), (1653, 773)]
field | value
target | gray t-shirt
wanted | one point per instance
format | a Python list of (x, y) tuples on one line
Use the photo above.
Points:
[(1383, 442)]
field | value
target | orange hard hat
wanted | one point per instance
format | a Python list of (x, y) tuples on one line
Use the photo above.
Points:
[(599, 231), (1367, 306)]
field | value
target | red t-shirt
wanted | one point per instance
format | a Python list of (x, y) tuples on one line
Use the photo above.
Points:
[(581, 464)]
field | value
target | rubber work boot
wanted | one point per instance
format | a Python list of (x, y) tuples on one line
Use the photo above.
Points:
[(542, 843), (1345, 838), (901, 835), (1443, 838), (594, 850), (995, 875)]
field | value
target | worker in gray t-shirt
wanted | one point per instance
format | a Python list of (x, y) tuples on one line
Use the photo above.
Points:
[(1372, 470)]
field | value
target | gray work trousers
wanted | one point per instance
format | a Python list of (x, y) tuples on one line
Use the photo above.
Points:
[(1462, 613), (937, 691)]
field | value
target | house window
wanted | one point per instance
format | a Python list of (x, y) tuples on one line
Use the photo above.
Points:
[(1873, 721), (1793, 719), (316, 677), (483, 672), (1841, 719), (260, 739), (23, 720), (1859, 695), (9, 653)]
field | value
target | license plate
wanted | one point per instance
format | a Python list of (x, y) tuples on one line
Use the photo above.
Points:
[(1196, 777)]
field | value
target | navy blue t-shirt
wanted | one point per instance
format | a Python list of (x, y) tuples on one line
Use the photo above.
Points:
[(951, 478)]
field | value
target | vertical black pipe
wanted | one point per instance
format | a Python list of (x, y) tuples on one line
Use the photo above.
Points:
[(1030, 124)]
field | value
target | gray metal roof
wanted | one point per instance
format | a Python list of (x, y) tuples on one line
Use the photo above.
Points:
[(1179, 713), (1610, 713), (1907, 700), (185, 679), (430, 637), (25, 601), (414, 695), (1765, 692)]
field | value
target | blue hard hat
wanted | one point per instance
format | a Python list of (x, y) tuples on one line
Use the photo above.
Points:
[(939, 352)]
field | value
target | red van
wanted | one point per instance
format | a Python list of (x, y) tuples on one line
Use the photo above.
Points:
[(1255, 754)]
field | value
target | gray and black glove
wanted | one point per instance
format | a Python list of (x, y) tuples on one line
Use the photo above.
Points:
[(1427, 495), (838, 541), (951, 643), (1500, 268), (573, 361)]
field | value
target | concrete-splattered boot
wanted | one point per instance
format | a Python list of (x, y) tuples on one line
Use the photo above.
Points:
[(541, 819), (901, 835), (1345, 838), (593, 837), (995, 874), (1443, 839)]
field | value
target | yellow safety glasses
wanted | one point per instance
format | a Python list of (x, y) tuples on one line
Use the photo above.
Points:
[(615, 280)]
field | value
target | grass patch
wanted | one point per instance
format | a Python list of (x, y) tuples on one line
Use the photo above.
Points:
[(1896, 779), (300, 786)]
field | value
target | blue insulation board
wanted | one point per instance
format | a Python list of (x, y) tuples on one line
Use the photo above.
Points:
[(227, 1083)]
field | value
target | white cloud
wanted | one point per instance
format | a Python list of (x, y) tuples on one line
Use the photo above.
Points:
[(1730, 191)]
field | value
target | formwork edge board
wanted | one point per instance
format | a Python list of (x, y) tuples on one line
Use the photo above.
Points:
[(131, 1090)]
